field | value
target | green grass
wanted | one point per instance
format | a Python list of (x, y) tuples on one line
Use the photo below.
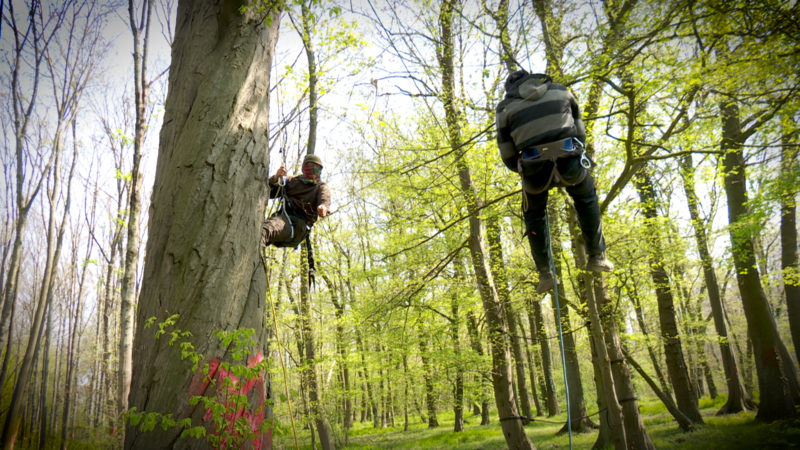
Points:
[(738, 431)]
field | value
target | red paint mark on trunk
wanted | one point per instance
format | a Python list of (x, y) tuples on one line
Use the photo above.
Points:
[(228, 388), (769, 357)]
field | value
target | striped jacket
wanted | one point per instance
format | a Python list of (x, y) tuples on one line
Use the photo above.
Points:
[(535, 111)]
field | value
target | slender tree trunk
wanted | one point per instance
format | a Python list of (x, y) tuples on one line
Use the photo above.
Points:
[(606, 388), (683, 421), (202, 256), (579, 423), (485, 379), (128, 288), (738, 399), (535, 361), (458, 388), (43, 410), (427, 375), (498, 272), (776, 396), (635, 432), (789, 249), (547, 363), (55, 236), (502, 379), (633, 294), (685, 395), (310, 356)]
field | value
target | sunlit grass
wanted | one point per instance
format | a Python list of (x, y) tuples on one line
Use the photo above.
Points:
[(739, 431)]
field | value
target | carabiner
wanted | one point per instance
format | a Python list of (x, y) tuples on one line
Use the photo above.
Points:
[(585, 161)]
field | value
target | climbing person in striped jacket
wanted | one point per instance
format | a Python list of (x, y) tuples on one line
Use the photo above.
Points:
[(540, 135)]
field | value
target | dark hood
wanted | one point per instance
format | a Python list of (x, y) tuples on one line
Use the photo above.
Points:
[(528, 86)]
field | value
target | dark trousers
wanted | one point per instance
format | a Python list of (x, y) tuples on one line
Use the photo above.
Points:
[(277, 231), (584, 197)]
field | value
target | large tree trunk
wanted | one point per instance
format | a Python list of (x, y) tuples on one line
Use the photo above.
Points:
[(202, 257), (502, 380), (789, 252), (776, 400), (685, 396)]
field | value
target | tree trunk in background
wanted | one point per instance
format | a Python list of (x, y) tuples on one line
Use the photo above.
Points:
[(685, 396), (603, 372), (202, 256), (43, 415), (633, 294), (341, 349), (502, 379), (309, 371), (55, 237), (73, 333), (547, 363), (577, 404), (534, 361), (789, 252), (427, 374), (635, 432), (458, 388), (738, 400), (485, 379), (776, 400), (683, 421), (128, 282), (498, 272)]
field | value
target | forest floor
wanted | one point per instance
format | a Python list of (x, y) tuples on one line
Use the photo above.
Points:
[(739, 431)]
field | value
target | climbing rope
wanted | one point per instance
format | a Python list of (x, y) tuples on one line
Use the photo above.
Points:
[(558, 319), (280, 346)]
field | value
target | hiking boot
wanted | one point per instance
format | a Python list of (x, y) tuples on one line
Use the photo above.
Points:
[(599, 263), (545, 282)]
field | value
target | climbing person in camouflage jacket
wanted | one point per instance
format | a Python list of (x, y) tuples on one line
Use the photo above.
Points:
[(305, 198)]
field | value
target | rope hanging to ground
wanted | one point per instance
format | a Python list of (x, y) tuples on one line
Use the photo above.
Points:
[(278, 339), (558, 319), (552, 264)]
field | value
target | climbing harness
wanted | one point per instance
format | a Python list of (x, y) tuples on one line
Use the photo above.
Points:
[(531, 164), (298, 228)]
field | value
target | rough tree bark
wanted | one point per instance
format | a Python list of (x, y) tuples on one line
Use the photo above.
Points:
[(202, 256)]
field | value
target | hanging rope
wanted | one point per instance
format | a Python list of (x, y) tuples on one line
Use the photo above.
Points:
[(280, 346), (558, 319)]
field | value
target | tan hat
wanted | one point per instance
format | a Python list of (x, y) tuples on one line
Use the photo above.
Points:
[(313, 159)]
